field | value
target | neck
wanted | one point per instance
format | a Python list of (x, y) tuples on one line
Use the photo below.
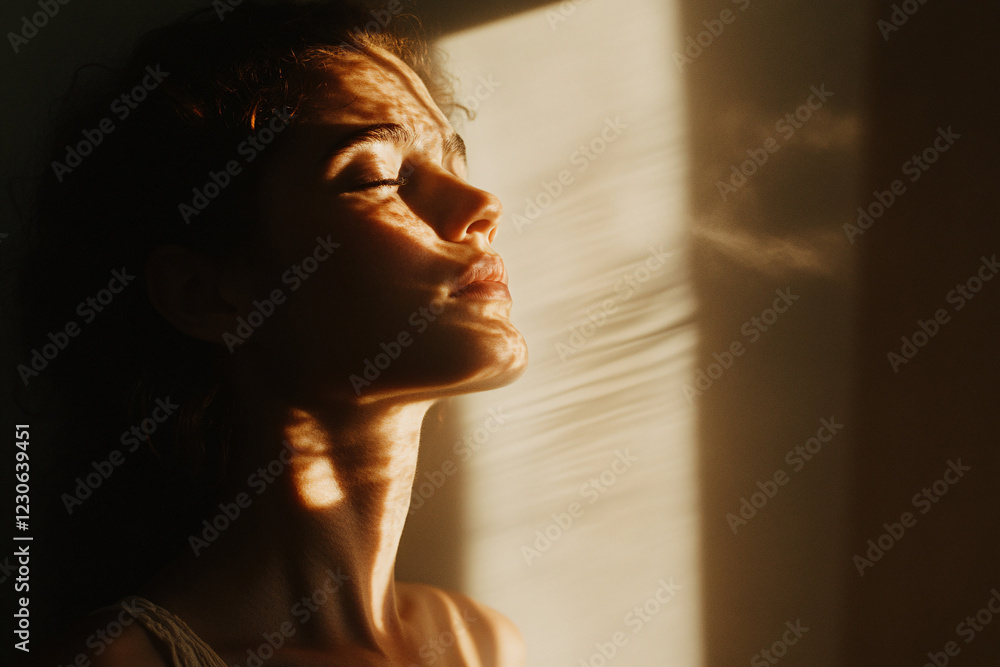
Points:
[(327, 492)]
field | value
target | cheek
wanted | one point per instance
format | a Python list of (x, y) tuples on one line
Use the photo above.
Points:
[(388, 265), (388, 252), (384, 269), (381, 243)]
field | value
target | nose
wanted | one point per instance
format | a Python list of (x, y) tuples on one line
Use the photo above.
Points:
[(459, 211)]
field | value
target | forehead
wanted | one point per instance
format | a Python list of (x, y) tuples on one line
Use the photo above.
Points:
[(376, 87)]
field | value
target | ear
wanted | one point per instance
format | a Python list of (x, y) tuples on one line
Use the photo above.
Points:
[(187, 289)]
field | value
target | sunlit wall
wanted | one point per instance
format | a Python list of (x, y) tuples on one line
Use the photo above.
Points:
[(580, 507)]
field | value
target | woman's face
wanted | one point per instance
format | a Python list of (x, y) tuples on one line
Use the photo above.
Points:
[(371, 268)]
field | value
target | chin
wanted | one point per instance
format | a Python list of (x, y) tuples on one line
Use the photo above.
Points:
[(490, 359), (459, 356), (506, 363), (479, 360)]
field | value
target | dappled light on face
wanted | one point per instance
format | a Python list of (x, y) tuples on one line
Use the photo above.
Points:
[(377, 161), (398, 93), (313, 475)]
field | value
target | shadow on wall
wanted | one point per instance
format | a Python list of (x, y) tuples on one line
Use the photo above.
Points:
[(843, 155), (776, 121)]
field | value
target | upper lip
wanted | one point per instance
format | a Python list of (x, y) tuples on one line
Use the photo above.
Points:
[(487, 268)]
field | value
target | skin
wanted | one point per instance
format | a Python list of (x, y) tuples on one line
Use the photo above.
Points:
[(340, 504)]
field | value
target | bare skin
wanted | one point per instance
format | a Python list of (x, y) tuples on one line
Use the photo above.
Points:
[(328, 526)]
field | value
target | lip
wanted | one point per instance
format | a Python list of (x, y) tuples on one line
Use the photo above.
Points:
[(484, 289), (485, 278)]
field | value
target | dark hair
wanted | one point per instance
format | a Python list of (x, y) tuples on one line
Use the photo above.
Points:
[(196, 91)]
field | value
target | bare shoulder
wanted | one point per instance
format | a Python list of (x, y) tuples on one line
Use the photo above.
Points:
[(107, 641), (450, 618)]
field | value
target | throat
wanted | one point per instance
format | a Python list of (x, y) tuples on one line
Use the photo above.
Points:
[(316, 547)]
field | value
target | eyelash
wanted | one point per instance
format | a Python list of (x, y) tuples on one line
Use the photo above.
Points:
[(385, 181)]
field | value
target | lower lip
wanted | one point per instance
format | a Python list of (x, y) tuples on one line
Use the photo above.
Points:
[(484, 290)]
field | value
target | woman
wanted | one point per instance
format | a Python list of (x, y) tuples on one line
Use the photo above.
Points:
[(315, 273)]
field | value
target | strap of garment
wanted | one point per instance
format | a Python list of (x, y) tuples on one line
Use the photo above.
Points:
[(185, 647)]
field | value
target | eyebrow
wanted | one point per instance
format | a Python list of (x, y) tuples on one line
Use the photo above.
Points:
[(455, 144), (389, 133)]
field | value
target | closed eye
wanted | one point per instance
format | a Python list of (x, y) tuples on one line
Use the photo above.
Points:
[(380, 183)]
